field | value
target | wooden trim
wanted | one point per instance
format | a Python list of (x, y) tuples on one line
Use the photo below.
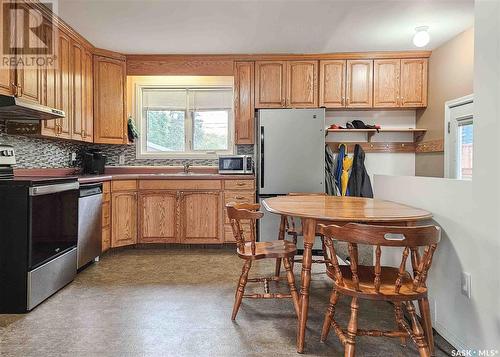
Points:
[(378, 147), (107, 53), (222, 65), (430, 146)]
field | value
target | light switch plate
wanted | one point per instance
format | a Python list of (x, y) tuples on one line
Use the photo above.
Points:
[(121, 159), (466, 284)]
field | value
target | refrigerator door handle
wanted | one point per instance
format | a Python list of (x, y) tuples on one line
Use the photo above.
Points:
[(261, 157)]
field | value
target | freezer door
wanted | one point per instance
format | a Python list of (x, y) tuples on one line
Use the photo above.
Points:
[(291, 150)]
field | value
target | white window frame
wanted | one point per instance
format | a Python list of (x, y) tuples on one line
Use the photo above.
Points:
[(141, 152), (451, 126)]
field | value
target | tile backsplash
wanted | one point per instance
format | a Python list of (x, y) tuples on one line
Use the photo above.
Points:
[(34, 152)]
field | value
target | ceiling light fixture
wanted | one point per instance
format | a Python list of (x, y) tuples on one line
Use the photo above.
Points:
[(421, 37)]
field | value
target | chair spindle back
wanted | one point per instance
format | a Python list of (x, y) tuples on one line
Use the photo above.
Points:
[(237, 214), (409, 238)]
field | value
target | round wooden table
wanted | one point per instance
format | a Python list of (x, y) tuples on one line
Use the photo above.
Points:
[(337, 210)]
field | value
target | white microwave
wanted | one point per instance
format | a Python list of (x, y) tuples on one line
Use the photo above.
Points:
[(235, 164)]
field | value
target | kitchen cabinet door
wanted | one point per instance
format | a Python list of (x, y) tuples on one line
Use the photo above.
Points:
[(50, 77), (77, 83), (414, 83), (158, 218), (65, 88), (359, 84), (124, 218), (244, 109), (302, 84), (202, 219), (332, 83), (386, 83), (29, 77), (110, 125), (88, 97), (270, 84)]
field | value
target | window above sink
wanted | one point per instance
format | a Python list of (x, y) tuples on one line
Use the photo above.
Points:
[(184, 121)]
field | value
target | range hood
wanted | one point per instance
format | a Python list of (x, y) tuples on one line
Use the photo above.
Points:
[(14, 108)]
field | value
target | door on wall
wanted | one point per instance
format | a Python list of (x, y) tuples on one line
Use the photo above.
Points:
[(459, 138)]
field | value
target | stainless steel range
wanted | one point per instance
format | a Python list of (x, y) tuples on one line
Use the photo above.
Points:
[(38, 236)]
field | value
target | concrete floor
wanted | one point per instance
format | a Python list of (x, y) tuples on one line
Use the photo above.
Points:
[(164, 302)]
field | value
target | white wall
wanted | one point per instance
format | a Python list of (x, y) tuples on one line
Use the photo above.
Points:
[(378, 163), (468, 212)]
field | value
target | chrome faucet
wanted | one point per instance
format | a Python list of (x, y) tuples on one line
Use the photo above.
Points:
[(186, 167)]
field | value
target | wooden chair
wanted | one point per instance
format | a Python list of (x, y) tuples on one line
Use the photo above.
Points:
[(250, 250), (380, 282), (288, 226)]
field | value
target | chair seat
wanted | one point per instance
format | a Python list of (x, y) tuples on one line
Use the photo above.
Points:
[(273, 249), (388, 276)]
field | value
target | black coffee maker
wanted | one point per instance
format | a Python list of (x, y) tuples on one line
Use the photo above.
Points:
[(93, 162)]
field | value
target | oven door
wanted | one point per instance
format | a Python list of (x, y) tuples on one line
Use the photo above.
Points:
[(54, 221), (232, 165)]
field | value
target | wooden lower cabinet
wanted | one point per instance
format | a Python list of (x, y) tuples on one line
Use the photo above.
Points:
[(124, 222), (173, 211), (106, 216), (158, 217), (201, 217)]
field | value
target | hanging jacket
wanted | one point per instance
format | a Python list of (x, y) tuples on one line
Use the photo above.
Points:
[(346, 166), (332, 186), (359, 182), (340, 163)]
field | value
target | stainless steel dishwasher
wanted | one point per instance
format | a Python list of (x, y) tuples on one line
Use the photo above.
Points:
[(89, 223)]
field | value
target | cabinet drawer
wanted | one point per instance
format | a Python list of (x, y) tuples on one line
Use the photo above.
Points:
[(180, 185), (229, 236), (106, 214), (124, 185), (239, 196), (106, 239), (239, 184)]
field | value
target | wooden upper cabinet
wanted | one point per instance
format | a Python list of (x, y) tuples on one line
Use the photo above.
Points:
[(29, 78), (201, 212), (158, 217), (124, 218), (270, 84), (386, 83), (359, 84), (414, 82), (302, 84), (110, 125), (244, 109), (77, 83), (64, 86), (88, 97), (332, 83), (50, 77)]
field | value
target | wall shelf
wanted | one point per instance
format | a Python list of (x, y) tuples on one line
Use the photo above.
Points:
[(374, 147), (417, 133)]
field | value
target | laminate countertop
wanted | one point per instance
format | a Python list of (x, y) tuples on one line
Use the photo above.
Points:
[(160, 176)]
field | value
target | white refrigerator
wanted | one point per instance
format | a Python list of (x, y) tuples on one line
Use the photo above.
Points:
[(290, 157)]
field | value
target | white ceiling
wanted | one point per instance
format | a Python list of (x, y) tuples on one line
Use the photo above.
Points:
[(259, 26)]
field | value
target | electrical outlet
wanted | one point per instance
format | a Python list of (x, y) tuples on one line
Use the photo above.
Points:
[(466, 284), (121, 159), (72, 158)]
